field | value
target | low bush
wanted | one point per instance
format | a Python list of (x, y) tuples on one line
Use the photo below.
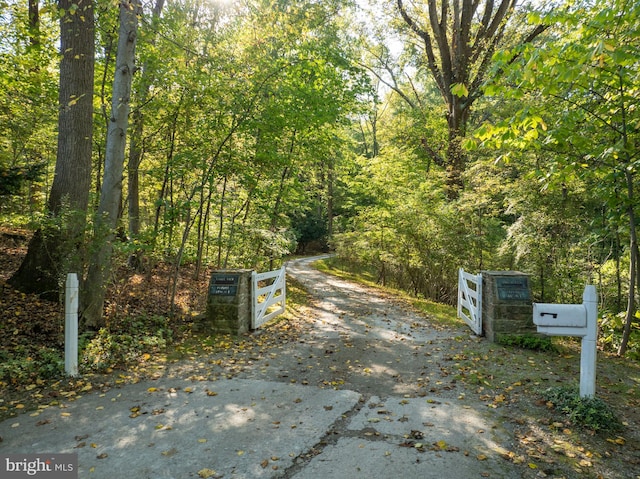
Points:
[(589, 412), (22, 367), (124, 343), (528, 341)]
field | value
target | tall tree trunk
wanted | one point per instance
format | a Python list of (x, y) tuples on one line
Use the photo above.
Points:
[(34, 23), (633, 235), (53, 249), (456, 158), (232, 226), (175, 277), (167, 172), (330, 180), (133, 180), (633, 266), (111, 193), (203, 228), (136, 149), (221, 222)]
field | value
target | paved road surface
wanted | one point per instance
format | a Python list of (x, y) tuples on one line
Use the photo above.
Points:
[(357, 395)]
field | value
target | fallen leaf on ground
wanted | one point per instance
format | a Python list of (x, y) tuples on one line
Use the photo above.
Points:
[(206, 473)]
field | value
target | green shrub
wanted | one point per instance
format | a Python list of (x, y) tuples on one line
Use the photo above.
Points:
[(22, 366), (50, 363), (589, 412), (528, 341), (124, 343), (611, 331), (16, 370)]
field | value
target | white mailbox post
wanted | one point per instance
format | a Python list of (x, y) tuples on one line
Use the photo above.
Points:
[(574, 320)]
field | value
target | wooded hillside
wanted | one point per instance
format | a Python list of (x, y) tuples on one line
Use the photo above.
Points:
[(412, 138)]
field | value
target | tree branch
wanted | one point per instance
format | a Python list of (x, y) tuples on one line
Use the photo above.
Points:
[(394, 86), (431, 59)]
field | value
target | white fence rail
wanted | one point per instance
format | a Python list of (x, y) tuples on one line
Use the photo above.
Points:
[(470, 300), (269, 295)]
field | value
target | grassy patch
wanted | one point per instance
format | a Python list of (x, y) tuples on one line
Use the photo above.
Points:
[(335, 267)]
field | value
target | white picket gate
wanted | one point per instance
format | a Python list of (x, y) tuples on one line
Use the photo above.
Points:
[(273, 292), (470, 300)]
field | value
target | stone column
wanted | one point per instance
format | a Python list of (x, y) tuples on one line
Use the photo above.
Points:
[(507, 308), (229, 302)]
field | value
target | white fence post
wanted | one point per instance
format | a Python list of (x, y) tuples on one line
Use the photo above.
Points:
[(71, 325), (254, 298), (460, 296), (589, 344)]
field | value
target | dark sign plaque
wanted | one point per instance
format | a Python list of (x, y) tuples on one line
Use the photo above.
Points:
[(513, 289), (223, 284)]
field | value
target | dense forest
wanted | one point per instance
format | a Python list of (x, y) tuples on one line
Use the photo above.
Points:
[(410, 137)]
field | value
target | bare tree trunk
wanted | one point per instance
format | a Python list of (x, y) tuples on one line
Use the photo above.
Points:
[(633, 267), (167, 170), (111, 193), (34, 23), (330, 180), (53, 250), (176, 272), (232, 226), (221, 224), (136, 151), (203, 228), (633, 236)]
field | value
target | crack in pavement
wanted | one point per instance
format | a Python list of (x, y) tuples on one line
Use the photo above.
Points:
[(337, 430)]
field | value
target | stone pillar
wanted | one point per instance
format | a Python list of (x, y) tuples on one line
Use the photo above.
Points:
[(507, 308), (229, 302)]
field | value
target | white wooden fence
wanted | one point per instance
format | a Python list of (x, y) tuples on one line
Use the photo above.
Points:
[(269, 295), (470, 300)]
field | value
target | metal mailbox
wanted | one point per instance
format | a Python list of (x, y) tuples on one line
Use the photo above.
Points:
[(560, 315), (574, 320)]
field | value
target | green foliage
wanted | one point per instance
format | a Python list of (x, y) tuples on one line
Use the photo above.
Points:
[(21, 367), (259, 130), (13, 179), (411, 236), (611, 331), (589, 412), (252, 117), (310, 226), (123, 343), (527, 341), (570, 121), (27, 105)]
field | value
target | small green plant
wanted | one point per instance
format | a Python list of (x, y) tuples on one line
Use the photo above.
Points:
[(50, 363), (589, 412), (125, 342), (528, 341), (16, 370), (23, 366)]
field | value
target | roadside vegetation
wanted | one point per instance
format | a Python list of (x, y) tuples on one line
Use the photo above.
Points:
[(534, 381)]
